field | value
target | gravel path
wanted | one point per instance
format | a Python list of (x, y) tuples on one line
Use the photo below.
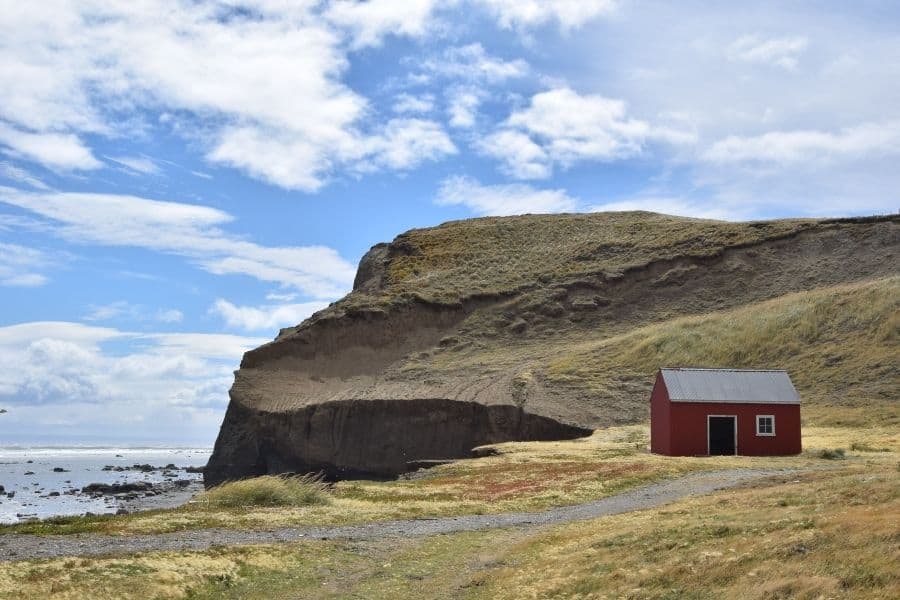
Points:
[(21, 547)]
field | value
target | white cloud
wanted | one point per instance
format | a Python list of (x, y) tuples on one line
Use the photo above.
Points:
[(187, 230), (499, 200), (280, 296), (522, 157), (683, 207), (845, 79), (530, 13), (261, 90), (371, 20), (61, 151), (783, 52), (275, 155), (221, 346), (563, 127), (473, 70), (472, 63), (406, 143), (252, 318), (172, 315), (407, 103), (166, 386), (25, 280), (786, 147), (14, 173), (138, 164), (19, 266), (463, 107), (132, 312)]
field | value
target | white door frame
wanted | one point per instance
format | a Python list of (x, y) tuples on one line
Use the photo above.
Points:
[(735, 432)]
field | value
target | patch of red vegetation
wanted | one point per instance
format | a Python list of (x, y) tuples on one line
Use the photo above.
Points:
[(501, 482)]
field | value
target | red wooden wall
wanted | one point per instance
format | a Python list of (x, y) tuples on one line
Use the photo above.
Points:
[(660, 439), (679, 428)]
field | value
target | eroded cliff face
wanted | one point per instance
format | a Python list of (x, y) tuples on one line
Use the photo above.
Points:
[(369, 438), (410, 368)]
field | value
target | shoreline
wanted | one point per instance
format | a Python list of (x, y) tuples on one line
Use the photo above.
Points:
[(42, 484), (171, 496)]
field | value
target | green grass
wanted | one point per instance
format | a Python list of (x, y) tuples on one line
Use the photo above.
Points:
[(836, 454)]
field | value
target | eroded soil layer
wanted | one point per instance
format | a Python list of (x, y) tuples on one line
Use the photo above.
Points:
[(368, 438)]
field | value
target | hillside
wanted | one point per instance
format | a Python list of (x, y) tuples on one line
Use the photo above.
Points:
[(546, 327)]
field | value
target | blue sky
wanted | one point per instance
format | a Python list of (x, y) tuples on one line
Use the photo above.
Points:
[(178, 180)]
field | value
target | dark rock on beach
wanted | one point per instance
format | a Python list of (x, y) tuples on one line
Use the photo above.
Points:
[(116, 488)]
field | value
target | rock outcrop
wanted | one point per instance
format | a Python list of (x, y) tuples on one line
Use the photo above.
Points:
[(443, 344)]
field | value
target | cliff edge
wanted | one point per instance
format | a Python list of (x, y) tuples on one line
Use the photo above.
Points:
[(449, 337)]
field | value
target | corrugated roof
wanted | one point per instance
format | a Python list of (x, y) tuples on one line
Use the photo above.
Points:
[(730, 385)]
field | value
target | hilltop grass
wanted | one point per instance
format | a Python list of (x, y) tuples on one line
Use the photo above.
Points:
[(524, 476), (839, 344), (825, 533), (494, 255)]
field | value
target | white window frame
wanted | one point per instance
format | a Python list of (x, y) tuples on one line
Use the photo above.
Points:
[(758, 417), (735, 418)]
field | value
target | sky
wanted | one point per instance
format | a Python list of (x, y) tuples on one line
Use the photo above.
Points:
[(180, 179)]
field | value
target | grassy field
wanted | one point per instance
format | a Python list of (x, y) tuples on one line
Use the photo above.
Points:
[(829, 532), (523, 476), (818, 535)]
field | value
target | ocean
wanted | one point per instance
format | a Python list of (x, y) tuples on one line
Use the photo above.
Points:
[(28, 473)]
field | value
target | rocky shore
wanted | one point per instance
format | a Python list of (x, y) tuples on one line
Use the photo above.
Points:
[(171, 486)]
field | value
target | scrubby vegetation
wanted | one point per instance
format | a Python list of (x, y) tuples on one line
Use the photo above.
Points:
[(267, 491)]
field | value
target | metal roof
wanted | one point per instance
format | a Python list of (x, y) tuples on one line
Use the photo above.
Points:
[(730, 385)]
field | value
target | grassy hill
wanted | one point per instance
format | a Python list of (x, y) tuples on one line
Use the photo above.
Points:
[(567, 317), (840, 344), (563, 321)]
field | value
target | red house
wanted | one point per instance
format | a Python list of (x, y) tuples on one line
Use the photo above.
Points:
[(724, 411)]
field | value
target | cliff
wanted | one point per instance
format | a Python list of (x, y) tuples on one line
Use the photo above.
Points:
[(486, 330)]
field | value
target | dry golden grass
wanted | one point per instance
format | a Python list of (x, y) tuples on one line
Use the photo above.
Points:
[(266, 491), (162, 574), (824, 534), (524, 476), (839, 344), (831, 532), (430, 568)]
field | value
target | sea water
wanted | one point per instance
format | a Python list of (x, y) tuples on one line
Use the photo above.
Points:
[(82, 466)]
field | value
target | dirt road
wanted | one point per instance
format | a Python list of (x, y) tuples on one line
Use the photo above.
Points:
[(21, 547)]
